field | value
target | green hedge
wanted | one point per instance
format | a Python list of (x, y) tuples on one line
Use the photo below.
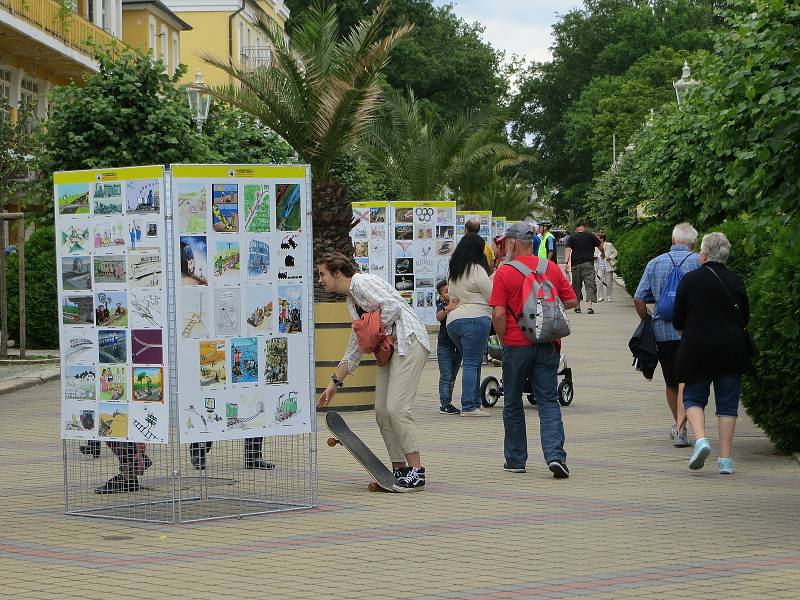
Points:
[(747, 250), (636, 247), (41, 292)]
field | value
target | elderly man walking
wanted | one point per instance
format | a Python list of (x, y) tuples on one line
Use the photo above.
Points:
[(579, 255), (651, 288)]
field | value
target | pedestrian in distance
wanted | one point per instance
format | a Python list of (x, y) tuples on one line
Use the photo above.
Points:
[(473, 226), (711, 315), (547, 247), (523, 359), (447, 355), (610, 254), (397, 381), (580, 264), (469, 323), (654, 288)]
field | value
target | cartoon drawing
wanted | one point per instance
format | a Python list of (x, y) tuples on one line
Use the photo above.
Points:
[(79, 346), (225, 207), (107, 199), (226, 259), (108, 236), (76, 273), (145, 270), (146, 347), (83, 420), (247, 413), (145, 308), (244, 360), (287, 206), (212, 363), (192, 207), (257, 259), (276, 360), (194, 260), (74, 239), (73, 199), (290, 309), (111, 309), (148, 384), (227, 311), (137, 239), (79, 382), (194, 313), (113, 382), (77, 310), (112, 346), (258, 309), (110, 269), (287, 407), (113, 420), (256, 208), (143, 196)]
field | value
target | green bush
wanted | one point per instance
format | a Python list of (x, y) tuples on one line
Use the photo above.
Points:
[(636, 248), (41, 292), (770, 392), (747, 250)]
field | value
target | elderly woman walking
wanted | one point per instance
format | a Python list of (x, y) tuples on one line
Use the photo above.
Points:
[(711, 314)]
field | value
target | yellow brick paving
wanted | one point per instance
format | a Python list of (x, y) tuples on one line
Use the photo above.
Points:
[(631, 522)]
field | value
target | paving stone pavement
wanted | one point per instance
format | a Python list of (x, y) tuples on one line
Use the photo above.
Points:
[(631, 522)]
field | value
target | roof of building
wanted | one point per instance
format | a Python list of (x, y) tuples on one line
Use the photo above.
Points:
[(159, 7)]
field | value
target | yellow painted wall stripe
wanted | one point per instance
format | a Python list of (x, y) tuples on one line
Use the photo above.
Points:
[(92, 175), (240, 171)]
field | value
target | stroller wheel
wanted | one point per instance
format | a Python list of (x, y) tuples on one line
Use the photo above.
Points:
[(490, 391), (565, 393)]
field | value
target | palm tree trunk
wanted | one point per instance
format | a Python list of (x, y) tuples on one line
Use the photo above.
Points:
[(333, 217)]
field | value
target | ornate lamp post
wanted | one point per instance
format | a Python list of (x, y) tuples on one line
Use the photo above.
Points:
[(684, 84), (199, 101)]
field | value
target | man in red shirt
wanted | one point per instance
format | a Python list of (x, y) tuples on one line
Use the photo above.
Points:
[(522, 359)]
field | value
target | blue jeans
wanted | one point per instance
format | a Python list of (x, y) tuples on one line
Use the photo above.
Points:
[(449, 363), (471, 336), (727, 389), (539, 363)]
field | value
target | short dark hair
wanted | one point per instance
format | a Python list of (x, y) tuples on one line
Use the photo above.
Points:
[(442, 283), (337, 262), (472, 226)]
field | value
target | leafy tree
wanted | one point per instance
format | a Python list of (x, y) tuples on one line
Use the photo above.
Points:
[(319, 96), (19, 144), (509, 197), (237, 137)]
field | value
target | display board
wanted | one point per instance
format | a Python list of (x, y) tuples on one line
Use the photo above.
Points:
[(422, 241), (484, 217), (499, 226), (110, 258), (243, 294), (370, 236)]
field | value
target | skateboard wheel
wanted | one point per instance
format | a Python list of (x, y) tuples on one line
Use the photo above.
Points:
[(332, 441), (373, 487)]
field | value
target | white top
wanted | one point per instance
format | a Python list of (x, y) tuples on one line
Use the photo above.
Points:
[(611, 256), (598, 256), (372, 293), (473, 290)]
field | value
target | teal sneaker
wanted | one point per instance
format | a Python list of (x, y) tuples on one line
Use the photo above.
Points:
[(701, 451), (726, 466)]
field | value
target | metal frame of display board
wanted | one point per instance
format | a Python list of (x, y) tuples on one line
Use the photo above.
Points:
[(169, 488)]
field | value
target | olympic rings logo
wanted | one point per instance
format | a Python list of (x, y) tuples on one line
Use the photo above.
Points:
[(425, 215)]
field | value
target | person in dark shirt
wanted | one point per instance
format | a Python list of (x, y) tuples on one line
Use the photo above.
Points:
[(580, 263), (447, 354)]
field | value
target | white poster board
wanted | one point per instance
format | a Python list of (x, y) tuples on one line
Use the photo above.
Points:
[(423, 238), (110, 258), (370, 237), (499, 226), (484, 217), (244, 300)]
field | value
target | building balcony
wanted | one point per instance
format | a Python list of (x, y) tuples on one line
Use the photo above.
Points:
[(255, 57), (41, 31)]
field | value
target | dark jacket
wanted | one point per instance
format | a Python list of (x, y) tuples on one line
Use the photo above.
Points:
[(714, 340), (644, 349)]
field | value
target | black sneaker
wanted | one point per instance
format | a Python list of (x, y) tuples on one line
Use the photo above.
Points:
[(117, 485), (401, 472), (414, 479), (509, 469), (559, 469), (90, 449), (449, 410)]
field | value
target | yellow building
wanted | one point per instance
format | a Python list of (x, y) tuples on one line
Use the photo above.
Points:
[(150, 26), (225, 29)]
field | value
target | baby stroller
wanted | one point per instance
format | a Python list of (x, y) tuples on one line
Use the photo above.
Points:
[(492, 389)]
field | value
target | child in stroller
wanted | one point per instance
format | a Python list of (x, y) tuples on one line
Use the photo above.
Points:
[(492, 389)]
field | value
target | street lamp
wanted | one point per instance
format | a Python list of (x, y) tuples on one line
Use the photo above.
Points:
[(685, 83), (199, 101)]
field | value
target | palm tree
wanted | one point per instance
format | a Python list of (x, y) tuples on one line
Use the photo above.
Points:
[(320, 93), (420, 159)]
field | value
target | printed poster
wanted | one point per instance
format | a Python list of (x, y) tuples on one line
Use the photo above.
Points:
[(484, 217), (370, 236)]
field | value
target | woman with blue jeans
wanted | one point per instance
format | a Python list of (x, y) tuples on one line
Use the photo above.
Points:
[(469, 323), (711, 314)]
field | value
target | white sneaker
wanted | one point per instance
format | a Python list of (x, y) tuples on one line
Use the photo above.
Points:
[(673, 432), (475, 413)]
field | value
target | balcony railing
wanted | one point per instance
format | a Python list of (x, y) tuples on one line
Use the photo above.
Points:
[(70, 28), (255, 57)]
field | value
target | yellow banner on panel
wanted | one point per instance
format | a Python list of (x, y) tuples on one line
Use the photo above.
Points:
[(123, 173), (412, 204), (239, 171), (477, 213), (381, 204)]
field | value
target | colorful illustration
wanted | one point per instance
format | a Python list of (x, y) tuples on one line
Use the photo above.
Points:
[(287, 407), (74, 239), (143, 196), (212, 363), (107, 199), (287, 206), (361, 249), (246, 413), (276, 360), (77, 310), (73, 199), (256, 208), (226, 259), (290, 309), (109, 269), (147, 347), (227, 311), (145, 270), (225, 207), (257, 259), (111, 309), (194, 260), (81, 420), (377, 215), (78, 345), (258, 309), (145, 308), (142, 236), (76, 273), (404, 215), (194, 309), (113, 384), (148, 384), (244, 360), (112, 346), (404, 232), (192, 207), (79, 382), (108, 236), (113, 420)]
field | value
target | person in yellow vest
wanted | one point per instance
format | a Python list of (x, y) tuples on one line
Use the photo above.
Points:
[(547, 248), (473, 226)]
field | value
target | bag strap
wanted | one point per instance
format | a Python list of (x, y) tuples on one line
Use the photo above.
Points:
[(730, 296), (541, 267), (521, 267)]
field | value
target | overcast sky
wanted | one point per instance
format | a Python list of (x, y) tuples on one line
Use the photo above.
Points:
[(516, 26)]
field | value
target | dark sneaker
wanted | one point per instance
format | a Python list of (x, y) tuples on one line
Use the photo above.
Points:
[(117, 485), (413, 480), (198, 458), (259, 463), (401, 472), (449, 410), (590, 311), (509, 469), (578, 310), (559, 469)]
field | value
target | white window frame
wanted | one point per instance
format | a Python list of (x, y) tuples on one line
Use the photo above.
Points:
[(152, 36), (241, 42), (176, 51), (165, 47)]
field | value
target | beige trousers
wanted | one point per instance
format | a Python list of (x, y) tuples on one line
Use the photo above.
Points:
[(395, 393)]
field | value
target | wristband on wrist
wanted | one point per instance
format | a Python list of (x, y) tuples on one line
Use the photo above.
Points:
[(336, 381)]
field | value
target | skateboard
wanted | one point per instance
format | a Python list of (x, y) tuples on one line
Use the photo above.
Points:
[(383, 476)]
